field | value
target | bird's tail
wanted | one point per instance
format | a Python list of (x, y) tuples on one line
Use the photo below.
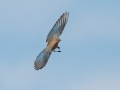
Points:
[(42, 58)]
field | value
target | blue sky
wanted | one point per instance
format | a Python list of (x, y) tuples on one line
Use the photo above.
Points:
[(90, 57)]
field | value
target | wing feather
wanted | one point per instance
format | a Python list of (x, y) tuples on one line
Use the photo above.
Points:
[(58, 27), (42, 59)]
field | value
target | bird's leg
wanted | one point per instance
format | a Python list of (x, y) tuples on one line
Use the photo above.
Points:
[(58, 47)]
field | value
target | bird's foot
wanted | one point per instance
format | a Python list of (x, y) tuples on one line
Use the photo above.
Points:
[(57, 51)]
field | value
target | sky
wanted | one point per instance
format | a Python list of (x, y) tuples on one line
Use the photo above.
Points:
[(90, 57)]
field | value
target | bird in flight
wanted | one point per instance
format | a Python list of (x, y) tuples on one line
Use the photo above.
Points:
[(52, 40)]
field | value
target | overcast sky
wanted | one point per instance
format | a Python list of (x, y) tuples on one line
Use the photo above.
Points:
[(90, 57)]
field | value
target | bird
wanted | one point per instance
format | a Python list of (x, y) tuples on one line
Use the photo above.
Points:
[(52, 42)]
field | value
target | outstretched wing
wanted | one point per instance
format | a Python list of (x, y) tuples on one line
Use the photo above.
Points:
[(58, 27), (42, 59)]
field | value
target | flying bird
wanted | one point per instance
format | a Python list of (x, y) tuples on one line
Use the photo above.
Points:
[(52, 40)]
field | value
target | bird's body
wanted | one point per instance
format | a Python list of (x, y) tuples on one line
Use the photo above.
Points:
[(53, 40), (53, 43)]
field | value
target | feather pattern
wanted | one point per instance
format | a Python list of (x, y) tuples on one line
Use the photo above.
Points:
[(58, 27), (42, 59)]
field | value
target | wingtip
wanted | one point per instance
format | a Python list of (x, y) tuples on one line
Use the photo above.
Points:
[(66, 13)]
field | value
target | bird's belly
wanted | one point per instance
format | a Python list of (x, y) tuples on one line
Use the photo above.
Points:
[(53, 43), (55, 46)]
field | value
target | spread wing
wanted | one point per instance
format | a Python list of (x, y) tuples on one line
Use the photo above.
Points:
[(42, 59), (58, 27)]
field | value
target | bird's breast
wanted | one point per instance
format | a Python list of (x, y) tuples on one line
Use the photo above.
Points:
[(53, 43)]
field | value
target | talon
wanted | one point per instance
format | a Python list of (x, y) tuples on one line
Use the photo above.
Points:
[(57, 51)]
